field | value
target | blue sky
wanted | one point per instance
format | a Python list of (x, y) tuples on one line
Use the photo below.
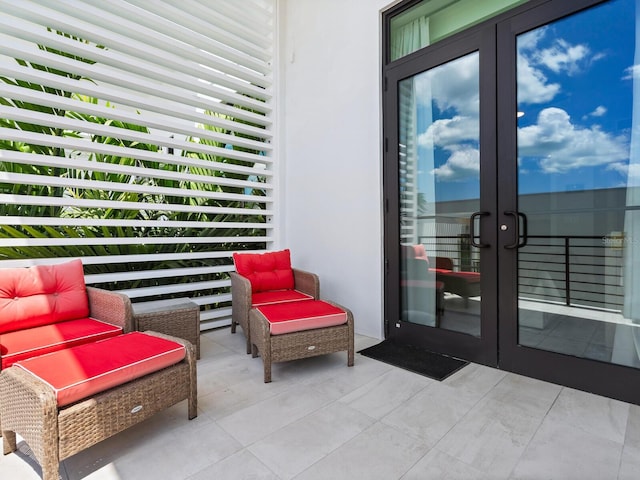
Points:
[(575, 80)]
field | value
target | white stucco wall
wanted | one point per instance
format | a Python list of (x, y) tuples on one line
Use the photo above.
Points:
[(329, 142)]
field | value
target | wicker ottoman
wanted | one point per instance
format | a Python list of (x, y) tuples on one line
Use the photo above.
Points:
[(29, 407), (295, 330)]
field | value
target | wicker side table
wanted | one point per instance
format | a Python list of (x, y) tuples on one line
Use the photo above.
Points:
[(176, 317)]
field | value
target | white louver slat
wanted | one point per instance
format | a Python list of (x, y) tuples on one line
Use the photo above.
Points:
[(137, 136)]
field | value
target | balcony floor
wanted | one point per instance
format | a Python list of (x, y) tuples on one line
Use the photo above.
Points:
[(319, 419)]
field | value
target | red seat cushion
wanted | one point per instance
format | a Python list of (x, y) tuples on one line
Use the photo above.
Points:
[(266, 271), (297, 316), (31, 342), (79, 372), (42, 294), (440, 270), (278, 296)]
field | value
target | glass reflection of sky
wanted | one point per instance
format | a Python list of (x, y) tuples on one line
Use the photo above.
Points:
[(448, 129), (575, 90)]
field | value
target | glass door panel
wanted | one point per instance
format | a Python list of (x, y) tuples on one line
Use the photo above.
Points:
[(578, 177), (439, 189)]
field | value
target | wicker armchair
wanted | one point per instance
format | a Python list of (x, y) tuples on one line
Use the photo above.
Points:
[(109, 307), (108, 313), (250, 289)]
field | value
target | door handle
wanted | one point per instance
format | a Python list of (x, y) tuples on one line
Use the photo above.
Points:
[(472, 229), (516, 217)]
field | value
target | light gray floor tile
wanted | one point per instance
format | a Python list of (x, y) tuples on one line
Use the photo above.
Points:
[(591, 413), (235, 342), (491, 437), (474, 381), (22, 464), (629, 464), (261, 419), (226, 370), (630, 461), (311, 370), (379, 453), (240, 466), (337, 384), (431, 413), (97, 461), (561, 452), (297, 446), (383, 394), (168, 451), (224, 401), (361, 342), (320, 419), (533, 397), (437, 465)]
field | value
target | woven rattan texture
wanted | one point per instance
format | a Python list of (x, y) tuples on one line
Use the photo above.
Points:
[(182, 321), (302, 344), (305, 282), (111, 307), (28, 408)]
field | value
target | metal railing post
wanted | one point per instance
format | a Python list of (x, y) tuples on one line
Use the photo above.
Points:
[(567, 280)]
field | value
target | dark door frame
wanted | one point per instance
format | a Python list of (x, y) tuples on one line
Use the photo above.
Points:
[(607, 379), (498, 193), (484, 349)]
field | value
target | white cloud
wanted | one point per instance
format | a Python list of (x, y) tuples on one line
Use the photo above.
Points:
[(563, 57), (453, 86), (599, 111), (531, 39), (533, 86), (630, 171), (631, 73), (461, 165), (450, 131), (563, 146)]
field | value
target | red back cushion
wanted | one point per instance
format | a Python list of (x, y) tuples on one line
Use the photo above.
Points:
[(420, 252), (444, 263), (41, 295), (266, 271)]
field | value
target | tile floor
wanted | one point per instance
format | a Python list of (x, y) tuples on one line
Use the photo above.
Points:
[(320, 420)]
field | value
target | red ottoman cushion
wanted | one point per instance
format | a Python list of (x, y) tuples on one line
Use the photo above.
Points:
[(306, 315), (31, 342), (79, 372)]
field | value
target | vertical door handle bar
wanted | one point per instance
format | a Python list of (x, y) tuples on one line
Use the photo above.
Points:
[(516, 217), (472, 229)]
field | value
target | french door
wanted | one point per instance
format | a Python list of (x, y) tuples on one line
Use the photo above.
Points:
[(439, 222), (513, 195)]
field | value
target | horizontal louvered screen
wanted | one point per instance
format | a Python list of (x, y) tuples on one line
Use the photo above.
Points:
[(137, 136)]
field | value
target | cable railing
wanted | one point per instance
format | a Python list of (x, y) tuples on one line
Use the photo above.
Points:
[(578, 270), (573, 270)]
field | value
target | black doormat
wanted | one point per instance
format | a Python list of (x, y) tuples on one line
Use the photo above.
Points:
[(415, 359)]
